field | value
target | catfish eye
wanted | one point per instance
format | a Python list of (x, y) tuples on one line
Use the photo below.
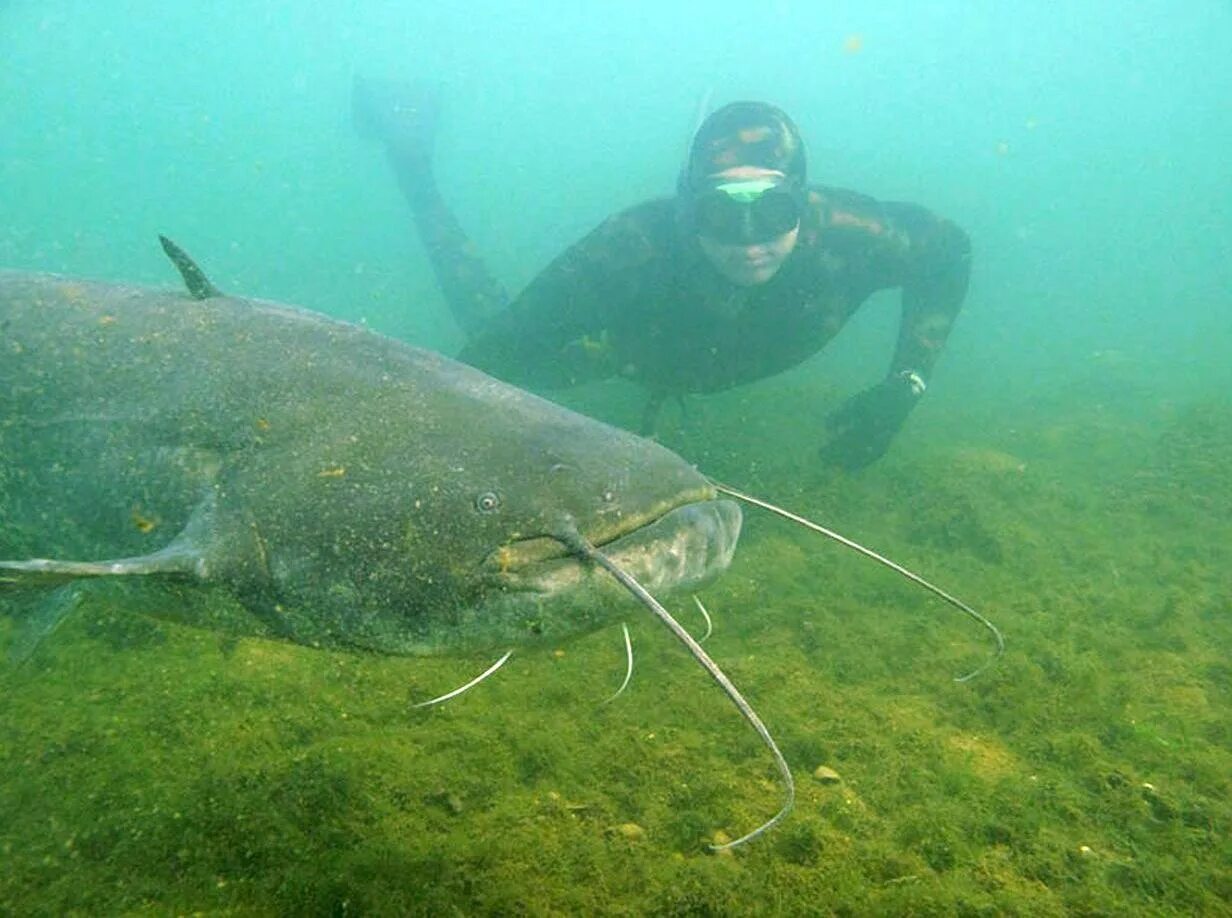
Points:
[(607, 496), (488, 502)]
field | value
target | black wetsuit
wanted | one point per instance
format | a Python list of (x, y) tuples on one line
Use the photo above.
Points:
[(637, 298)]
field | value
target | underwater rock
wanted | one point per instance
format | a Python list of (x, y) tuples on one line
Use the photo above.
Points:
[(986, 460), (628, 830), (827, 775)]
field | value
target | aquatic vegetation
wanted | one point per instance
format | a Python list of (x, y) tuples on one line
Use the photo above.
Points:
[(153, 767)]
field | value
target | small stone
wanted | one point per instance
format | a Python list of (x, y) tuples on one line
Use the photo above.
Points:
[(629, 830), (827, 775), (447, 801)]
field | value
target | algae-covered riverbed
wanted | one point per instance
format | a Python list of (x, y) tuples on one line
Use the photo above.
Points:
[(152, 768)]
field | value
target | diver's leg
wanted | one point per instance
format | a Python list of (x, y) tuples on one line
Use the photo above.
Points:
[(473, 294), (403, 117)]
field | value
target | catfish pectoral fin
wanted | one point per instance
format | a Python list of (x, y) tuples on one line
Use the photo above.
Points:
[(47, 573)]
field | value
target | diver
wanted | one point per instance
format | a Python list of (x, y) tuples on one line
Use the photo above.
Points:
[(746, 271)]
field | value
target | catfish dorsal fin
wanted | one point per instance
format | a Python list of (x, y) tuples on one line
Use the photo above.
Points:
[(198, 284)]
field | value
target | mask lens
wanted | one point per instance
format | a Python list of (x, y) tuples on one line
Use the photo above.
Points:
[(775, 213), (746, 219)]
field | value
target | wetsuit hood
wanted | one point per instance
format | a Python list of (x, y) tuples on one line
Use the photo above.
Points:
[(744, 134)]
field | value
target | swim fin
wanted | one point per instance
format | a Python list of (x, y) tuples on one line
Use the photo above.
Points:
[(402, 115)]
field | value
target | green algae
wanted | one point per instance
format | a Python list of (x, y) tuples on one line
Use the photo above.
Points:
[(150, 767)]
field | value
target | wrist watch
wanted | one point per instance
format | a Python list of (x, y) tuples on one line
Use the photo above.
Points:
[(914, 380)]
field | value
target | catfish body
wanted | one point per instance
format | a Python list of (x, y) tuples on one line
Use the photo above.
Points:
[(347, 488)]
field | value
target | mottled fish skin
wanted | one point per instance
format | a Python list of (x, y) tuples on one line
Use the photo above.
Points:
[(348, 489)]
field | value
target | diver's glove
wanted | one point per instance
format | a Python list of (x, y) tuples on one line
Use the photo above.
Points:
[(861, 429)]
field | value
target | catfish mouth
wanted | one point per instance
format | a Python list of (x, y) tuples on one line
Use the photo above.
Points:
[(685, 544)]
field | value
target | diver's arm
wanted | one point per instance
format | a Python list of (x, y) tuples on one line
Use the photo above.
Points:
[(930, 258), (937, 270)]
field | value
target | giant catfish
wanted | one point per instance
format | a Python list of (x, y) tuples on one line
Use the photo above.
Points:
[(348, 489)]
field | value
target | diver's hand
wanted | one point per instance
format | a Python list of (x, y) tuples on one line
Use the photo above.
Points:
[(861, 429)]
